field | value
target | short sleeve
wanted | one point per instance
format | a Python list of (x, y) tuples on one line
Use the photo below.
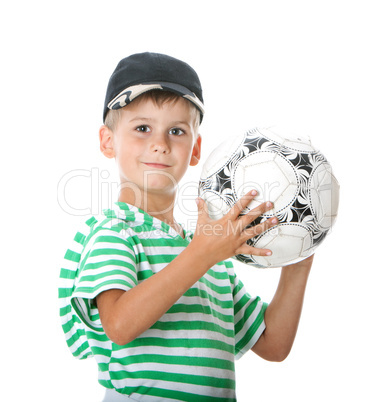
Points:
[(249, 315), (107, 262)]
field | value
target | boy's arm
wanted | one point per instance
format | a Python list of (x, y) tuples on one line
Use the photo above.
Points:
[(126, 315), (283, 313)]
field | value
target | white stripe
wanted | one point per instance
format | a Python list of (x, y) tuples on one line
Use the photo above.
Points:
[(146, 266), (111, 245), (185, 334), (78, 295), (68, 264), (65, 283), (175, 369), (205, 318), (162, 250), (129, 279), (192, 300), (176, 386), (177, 352)]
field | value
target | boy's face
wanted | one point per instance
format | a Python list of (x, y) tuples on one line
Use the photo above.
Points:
[(153, 145)]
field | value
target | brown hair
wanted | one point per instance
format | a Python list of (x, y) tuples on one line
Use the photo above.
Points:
[(158, 97)]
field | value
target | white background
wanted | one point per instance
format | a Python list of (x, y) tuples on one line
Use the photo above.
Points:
[(320, 68)]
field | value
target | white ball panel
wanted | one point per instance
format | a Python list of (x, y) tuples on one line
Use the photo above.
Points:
[(283, 137), (254, 172), (324, 195), (220, 156), (335, 188), (287, 241)]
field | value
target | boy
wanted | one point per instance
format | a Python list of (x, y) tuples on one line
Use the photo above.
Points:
[(161, 310)]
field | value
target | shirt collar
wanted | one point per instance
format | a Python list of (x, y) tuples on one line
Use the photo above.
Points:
[(138, 217)]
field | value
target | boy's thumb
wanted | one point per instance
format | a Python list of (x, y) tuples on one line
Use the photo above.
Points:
[(201, 205)]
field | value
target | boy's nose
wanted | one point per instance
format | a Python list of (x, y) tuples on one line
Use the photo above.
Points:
[(160, 145), (161, 148)]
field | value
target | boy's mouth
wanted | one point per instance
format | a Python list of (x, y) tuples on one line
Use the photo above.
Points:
[(156, 165)]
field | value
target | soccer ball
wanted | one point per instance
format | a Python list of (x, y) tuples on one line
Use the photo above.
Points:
[(292, 174)]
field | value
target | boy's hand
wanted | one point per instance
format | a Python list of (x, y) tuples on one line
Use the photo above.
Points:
[(226, 237)]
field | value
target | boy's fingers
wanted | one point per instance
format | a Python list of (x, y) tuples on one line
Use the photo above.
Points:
[(202, 207), (246, 249), (260, 228), (242, 203), (256, 212)]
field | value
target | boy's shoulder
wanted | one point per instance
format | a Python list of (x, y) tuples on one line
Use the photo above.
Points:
[(111, 222), (120, 218)]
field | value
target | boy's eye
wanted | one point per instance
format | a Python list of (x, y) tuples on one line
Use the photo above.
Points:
[(176, 131), (143, 129)]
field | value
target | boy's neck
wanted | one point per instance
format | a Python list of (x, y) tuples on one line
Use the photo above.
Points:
[(156, 206)]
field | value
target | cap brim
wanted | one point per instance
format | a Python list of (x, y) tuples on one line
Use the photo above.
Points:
[(129, 94)]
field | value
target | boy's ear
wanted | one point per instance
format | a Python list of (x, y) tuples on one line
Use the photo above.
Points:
[(196, 152), (106, 142)]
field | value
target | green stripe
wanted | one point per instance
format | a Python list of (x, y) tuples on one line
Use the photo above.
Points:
[(192, 326), (143, 229), (91, 221), (111, 251), (180, 396), (161, 258), (96, 350), (176, 360), (95, 232), (111, 262), (143, 275), (219, 275), (67, 274), (237, 288), (111, 239), (99, 337), (195, 292), (64, 292), (199, 308), (242, 303), (222, 290), (165, 227), (72, 256), (181, 343), (65, 310), (119, 226), (215, 382), (160, 242), (94, 289), (79, 238), (102, 277)]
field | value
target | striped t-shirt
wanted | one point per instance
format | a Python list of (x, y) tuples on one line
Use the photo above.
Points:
[(188, 355)]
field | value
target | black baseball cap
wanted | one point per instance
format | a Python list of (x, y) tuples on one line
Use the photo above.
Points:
[(142, 72)]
